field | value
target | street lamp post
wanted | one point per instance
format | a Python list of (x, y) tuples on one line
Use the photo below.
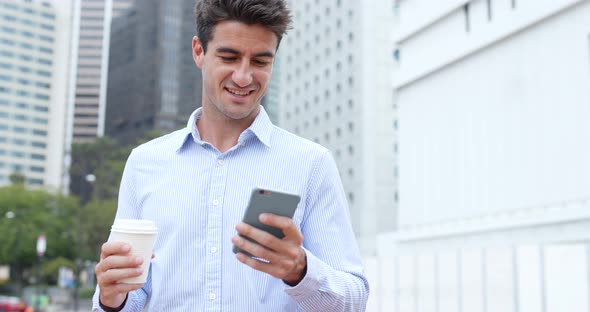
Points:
[(84, 198), (15, 265), (41, 247)]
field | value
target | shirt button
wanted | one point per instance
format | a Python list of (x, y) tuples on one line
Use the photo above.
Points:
[(212, 296), (215, 202), (220, 162), (213, 249)]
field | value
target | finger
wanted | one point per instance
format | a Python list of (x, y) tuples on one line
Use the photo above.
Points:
[(275, 220), (259, 236), (114, 248), (115, 268), (117, 261), (289, 228), (253, 248), (113, 276)]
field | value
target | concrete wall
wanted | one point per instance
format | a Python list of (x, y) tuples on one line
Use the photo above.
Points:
[(494, 181)]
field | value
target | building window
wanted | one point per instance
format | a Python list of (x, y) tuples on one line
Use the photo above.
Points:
[(47, 27), (7, 42), (42, 85), (37, 156), (7, 53), (8, 30), (24, 82), (40, 132), (23, 93), (45, 62), (38, 144), (35, 181), (48, 15), (40, 120), (19, 142), (37, 169), (10, 6)]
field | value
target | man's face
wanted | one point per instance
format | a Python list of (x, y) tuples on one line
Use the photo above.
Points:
[(236, 69)]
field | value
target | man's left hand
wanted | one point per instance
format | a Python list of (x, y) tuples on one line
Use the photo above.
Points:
[(286, 258)]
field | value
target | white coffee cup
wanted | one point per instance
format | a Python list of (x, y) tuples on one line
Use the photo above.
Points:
[(140, 235)]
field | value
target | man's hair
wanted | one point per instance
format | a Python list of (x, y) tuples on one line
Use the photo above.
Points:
[(272, 14)]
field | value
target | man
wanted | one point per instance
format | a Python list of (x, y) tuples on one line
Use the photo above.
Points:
[(195, 184)]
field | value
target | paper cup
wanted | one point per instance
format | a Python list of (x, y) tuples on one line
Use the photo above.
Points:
[(140, 235)]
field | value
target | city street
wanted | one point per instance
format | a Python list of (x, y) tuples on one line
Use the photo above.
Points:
[(85, 306)]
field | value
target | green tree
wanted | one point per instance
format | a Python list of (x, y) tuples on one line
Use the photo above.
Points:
[(25, 215), (97, 220), (105, 159)]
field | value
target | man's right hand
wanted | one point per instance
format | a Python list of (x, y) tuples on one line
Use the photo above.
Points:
[(116, 263)]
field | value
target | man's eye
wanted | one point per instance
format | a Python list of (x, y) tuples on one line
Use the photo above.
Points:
[(227, 58), (260, 63)]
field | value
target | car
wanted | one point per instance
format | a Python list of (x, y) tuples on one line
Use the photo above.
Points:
[(13, 304)]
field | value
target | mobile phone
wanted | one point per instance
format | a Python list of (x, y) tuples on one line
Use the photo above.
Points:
[(268, 201)]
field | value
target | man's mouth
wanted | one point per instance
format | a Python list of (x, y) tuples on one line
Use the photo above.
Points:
[(238, 92)]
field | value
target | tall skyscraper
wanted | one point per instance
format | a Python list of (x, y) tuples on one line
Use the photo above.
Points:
[(35, 50), (335, 71), (92, 65), (153, 82)]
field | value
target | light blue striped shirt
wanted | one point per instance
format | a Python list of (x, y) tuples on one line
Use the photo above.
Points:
[(197, 195)]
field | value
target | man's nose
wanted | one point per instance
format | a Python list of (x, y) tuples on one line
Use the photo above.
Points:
[(242, 76)]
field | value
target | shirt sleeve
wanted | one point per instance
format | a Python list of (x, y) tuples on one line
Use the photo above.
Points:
[(334, 280), (129, 209)]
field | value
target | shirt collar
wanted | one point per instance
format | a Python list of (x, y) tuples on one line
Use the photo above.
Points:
[(261, 128)]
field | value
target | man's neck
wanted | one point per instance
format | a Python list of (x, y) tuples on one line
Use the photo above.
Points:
[(220, 131)]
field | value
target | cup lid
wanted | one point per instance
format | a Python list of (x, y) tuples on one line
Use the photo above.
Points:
[(134, 226)]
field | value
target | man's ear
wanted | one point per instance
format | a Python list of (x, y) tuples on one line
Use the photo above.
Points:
[(198, 52)]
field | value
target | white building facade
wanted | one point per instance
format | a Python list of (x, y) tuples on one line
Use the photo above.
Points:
[(493, 103), (34, 77), (335, 85)]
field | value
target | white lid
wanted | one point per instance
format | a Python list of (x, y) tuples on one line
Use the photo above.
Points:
[(134, 226)]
